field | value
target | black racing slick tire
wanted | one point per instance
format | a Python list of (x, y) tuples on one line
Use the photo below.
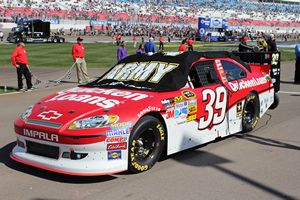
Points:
[(275, 103), (146, 144), (250, 112)]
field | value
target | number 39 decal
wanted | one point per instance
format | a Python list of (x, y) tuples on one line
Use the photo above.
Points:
[(215, 108)]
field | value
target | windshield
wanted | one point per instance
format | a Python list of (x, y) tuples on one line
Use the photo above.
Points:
[(159, 72)]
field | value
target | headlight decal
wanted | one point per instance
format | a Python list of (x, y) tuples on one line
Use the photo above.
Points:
[(26, 114), (94, 122)]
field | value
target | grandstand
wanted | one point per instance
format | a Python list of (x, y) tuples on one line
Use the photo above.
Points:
[(238, 12)]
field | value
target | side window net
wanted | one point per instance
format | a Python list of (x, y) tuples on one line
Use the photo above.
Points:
[(203, 73)]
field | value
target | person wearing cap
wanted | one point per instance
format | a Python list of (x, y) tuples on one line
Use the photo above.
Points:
[(272, 43), (20, 62), (150, 47), (161, 43), (190, 43), (122, 52), (78, 56), (182, 47)]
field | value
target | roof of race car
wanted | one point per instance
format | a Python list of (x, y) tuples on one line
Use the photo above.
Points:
[(158, 72)]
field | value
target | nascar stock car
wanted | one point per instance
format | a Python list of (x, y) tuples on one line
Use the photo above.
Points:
[(142, 108)]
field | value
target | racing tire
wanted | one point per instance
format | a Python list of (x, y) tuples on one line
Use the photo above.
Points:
[(146, 144), (275, 103), (250, 114)]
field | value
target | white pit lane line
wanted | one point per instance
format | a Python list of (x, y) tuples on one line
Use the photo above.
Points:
[(289, 92)]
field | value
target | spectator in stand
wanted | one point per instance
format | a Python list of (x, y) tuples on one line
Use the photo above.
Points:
[(1, 36), (150, 47), (118, 38), (20, 62), (190, 43), (161, 43), (141, 49), (78, 56), (134, 39), (297, 64), (182, 47), (272, 43), (122, 52)]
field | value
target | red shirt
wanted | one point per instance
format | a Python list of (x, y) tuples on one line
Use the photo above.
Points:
[(182, 48), (78, 51), (19, 56), (190, 42), (161, 39)]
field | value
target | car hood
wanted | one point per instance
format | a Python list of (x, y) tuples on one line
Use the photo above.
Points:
[(81, 102)]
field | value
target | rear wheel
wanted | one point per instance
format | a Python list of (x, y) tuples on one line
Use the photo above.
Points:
[(250, 112), (146, 144)]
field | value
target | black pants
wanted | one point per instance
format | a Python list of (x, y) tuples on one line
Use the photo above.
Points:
[(297, 71), (23, 70), (161, 46), (190, 48)]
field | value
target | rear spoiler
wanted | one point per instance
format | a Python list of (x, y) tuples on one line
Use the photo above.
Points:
[(264, 58)]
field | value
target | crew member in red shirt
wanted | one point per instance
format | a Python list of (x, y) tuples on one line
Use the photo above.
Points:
[(161, 43), (118, 38), (190, 43), (20, 61), (78, 56), (182, 47)]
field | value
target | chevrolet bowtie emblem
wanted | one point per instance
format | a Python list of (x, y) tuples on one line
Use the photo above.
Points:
[(48, 115)]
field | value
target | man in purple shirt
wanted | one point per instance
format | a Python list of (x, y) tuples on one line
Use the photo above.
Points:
[(122, 52)]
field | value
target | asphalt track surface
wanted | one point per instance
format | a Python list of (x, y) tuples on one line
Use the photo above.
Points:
[(263, 164)]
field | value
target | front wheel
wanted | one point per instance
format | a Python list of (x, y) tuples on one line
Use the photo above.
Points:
[(250, 112), (146, 144)]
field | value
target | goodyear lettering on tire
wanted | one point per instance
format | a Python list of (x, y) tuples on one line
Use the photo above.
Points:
[(136, 165), (161, 131)]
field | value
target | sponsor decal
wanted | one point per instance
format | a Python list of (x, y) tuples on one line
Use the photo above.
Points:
[(117, 132), (168, 103), (192, 109), (191, 118), (148, 109), (180, 114), (239, 85), (48, 115), (100, 101), (221, 71), (118, 139), (117, 146), (114, 155), (188, 94), (239, 109), (40, 135), (151, 71), (170, 113), (121, 125), (178, 99), (111, 92)]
